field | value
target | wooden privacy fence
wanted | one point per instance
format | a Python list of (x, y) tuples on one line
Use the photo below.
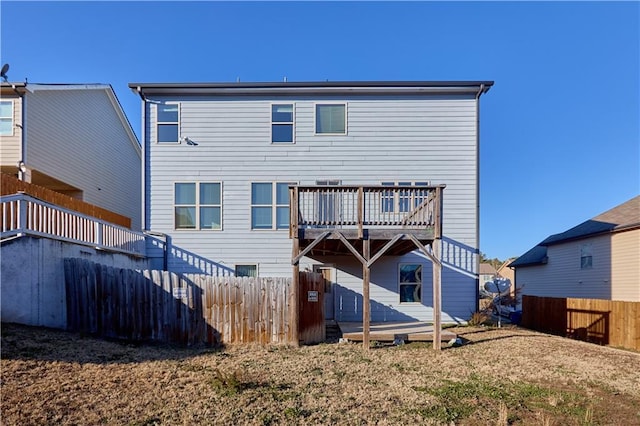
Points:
[(606, 322), (188, 309), (11, 185)]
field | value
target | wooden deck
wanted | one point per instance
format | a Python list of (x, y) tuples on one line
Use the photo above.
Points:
[(389, 331)]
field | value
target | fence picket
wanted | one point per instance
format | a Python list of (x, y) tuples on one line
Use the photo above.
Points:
[(142, 305), (616, 323)]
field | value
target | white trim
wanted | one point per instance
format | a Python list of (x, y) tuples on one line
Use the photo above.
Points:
[(197, 206), (12, 116), (156, 123), (293, 122), (315, 123)]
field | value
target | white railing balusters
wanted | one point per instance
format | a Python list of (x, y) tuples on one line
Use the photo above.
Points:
[(26, 215)]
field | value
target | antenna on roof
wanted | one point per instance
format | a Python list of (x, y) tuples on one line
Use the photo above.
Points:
[(285, 78), (238, 79), (3, 72)]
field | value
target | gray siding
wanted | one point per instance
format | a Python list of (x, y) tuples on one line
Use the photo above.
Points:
[(11, 146), (390, 139), (562, 275), (77, 136)]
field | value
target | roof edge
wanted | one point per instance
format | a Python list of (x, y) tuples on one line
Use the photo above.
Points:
[(320, 87)]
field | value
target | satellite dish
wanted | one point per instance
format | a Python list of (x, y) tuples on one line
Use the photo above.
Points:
[(498, 285), (3, 72)]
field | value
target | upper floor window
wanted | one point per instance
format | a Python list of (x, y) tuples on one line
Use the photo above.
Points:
[(331, 119), (586, 256), (6, 118), (168, 123), (198, 205), (270, 205), (282, 123), (402, 201)]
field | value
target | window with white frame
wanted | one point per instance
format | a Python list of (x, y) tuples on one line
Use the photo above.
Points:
[(282, 123), (402, 201), (586, 256), (327, 201), (6, 118), (198, 205), (270, 205), (168, 123), (331, 119), (410, 282), (246, 271)]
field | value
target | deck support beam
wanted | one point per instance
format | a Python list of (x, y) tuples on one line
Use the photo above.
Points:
[(437, 297), (366, 302), (294, 309)]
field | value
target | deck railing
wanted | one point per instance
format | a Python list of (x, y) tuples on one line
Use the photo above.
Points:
[(26, 215), (358, 207)]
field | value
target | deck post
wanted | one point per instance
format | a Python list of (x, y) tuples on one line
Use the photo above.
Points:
[(366, 303), (294, 314), (437, 298), (360, 212)]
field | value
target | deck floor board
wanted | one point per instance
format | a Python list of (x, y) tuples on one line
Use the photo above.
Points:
[(416, 331)]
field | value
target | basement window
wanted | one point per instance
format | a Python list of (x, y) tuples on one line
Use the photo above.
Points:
[(410, 287), (246, 271)]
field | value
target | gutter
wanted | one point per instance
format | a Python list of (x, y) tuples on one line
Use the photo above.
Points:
[(143, 158)]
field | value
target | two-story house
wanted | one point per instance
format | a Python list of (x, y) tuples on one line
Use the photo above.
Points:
[(73, 139), (250, 178), (596, 259)]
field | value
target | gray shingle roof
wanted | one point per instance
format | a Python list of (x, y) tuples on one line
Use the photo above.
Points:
[(624, 216)]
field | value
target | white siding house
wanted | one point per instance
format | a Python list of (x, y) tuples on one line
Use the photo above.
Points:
[(597, 259), (219, 158), (74, 139)]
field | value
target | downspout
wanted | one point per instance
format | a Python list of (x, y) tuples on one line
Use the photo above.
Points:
[(143, 158), (145, 217), (23, 129), (480, 91)]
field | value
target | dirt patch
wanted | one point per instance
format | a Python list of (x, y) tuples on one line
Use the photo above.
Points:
[(499, 376)]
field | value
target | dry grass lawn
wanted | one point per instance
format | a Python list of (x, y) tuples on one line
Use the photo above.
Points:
[(500, 376)]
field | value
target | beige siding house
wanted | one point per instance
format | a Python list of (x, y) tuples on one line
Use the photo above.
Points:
[(598, 259), (73, 139)]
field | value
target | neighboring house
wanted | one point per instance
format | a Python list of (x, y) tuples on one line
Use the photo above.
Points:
[(73, 139), (220, 158), (598, 259), (487, 273), (505, 271)]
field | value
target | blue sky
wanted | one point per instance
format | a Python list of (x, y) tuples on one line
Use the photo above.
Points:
[(560, 129)]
